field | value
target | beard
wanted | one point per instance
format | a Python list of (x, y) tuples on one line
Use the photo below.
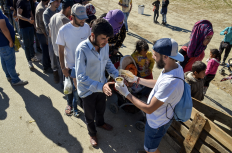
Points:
[(160, 64), (78, 23)]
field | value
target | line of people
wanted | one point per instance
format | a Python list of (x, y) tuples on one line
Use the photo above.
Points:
[(75, 49)]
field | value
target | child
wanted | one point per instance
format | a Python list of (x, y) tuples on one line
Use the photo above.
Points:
[(195, 79), (212, 66), (143, 59)]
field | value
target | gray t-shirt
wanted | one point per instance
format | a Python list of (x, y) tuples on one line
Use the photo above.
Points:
[(56, 21), (47, 14)]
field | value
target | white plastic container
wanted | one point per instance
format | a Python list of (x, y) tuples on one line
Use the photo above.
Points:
[(141, 9)]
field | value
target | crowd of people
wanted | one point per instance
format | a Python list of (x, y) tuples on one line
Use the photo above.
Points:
[(76, 44)]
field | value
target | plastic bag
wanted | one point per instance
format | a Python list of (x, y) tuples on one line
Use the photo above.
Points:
[(17, 44), (67, 86)]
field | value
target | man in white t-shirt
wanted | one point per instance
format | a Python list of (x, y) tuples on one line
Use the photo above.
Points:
[(166, 90), (69, 37)]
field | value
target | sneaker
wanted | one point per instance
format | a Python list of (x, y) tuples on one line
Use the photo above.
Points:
[(76, 113), (223, 63), (22, 82), (30, 65), (56, 77), (35, 59)]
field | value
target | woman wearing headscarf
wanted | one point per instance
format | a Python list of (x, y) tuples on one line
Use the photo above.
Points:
[(200, 37), (115, 18), (90, 10)]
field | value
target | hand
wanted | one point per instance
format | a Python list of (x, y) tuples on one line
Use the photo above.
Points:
[(115, 51), (66, 72), (122, 89), (31, 21), (11, 44), (16, 19), (124, 6), (225, 32), (106, 89), (12, 8)]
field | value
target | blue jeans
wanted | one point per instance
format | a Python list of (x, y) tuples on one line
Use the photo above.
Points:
[(152, 137), (46, 58), (7, 54), (76, 98), (126, 15), (164, 18), (17, 28), (28, 40)]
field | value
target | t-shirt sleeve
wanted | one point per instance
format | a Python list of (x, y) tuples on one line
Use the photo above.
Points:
[(120, 1), (60, 38), (166, 90), (20, 5)]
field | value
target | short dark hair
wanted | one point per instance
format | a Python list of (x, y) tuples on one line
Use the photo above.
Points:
[(103, 15), (101, 26), (217, 53), (198, 66), (45, 0), (141, 45)]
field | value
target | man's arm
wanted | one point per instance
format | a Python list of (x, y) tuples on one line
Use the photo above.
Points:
[(110, 68), (6, 32), (147, 82), (19, 14), (130, 6), (39, 17), (62, 65), (224, 31), (147, 108)]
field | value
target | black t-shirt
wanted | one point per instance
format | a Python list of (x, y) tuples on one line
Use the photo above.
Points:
[(156, 3), (25, 5)]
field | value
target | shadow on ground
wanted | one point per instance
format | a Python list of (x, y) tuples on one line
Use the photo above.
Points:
[(217, 103), (175, 28), (4, 104), (138, 37), (49, 120)]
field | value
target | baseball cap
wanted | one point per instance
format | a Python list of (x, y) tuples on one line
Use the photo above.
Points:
[(51, 1), (168, 47), (79, 11)]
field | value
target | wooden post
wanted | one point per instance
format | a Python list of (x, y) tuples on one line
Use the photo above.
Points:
[(193, 134)]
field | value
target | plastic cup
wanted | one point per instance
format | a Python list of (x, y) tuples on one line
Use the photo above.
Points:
[(119, 81)]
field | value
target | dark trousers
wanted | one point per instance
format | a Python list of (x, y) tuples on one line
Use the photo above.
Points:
[(60, 72), (28, 40), (208, 79), (46, 59), (94, 108), (227, 50), (156, 15), (70, 96)]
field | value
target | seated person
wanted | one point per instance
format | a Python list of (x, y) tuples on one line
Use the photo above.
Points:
[(143, 59)]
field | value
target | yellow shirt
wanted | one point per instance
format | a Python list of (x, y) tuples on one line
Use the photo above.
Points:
[(126, 2), (144, 64)]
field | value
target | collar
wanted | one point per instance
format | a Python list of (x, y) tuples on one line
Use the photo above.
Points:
[(90, 44)]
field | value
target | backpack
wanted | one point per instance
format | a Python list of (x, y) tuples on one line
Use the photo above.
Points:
[(183, 109)]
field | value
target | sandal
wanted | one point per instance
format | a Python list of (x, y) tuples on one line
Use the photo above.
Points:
[(68, 110)]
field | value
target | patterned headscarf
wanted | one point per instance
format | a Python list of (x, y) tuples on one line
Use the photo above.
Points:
[(114, 17), (201, 30), (90, 9)]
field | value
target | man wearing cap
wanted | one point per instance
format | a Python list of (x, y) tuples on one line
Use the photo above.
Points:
[(47, 14), (166, 90), (56, 22), (42, 35), (69, 37)]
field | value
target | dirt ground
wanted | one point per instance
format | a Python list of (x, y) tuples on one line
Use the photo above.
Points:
[(32, 117), (182, 14)]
